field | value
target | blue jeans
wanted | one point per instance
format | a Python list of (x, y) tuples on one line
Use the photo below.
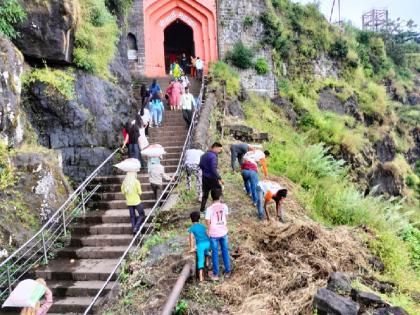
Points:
[(157, 116), (134, 153), (260, 203), (250, 178), (136, 221), (214, 244)]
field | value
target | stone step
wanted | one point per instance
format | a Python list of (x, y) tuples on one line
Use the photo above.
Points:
[(104, 228), (118, 179), (77, 288), (79, 270), (107, 196), (116, 187), (167, 142), (101, 240), (108, 216), (92, 252), (70, 304), (179, 128), (119, 204), (159, 137)]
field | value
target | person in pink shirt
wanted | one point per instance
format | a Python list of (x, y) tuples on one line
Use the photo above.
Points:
[(174, 91), (216, 220), (43, 306)]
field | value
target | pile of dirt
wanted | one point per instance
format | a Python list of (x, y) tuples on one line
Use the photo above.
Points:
[(279, 267)]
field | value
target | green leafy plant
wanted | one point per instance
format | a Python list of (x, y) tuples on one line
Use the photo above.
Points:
[(11, 12), (248, 21), (7, 175), (241, 56), (57, 80), (181, 307), (96, 38), (339, 49), (220, 71), (261, 66)]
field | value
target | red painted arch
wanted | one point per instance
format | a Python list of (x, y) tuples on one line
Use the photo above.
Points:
[(200, 15)]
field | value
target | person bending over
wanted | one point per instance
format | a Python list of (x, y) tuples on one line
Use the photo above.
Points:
[(267, 191)]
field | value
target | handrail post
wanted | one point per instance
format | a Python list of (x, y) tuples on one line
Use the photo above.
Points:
[(64, 222), (9, 281), (44, 247), (83, 201)]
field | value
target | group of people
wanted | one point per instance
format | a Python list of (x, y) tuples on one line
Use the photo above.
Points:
[(194, 66), (204, 167)]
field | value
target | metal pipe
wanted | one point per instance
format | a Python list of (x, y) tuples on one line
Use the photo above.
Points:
[(176, 291)]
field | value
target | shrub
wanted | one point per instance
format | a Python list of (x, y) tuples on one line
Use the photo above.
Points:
[(339, 49), (261, 66), (11, 12), (248, 21), (96, 38), (57, 80), (241, 56), (7, 176)]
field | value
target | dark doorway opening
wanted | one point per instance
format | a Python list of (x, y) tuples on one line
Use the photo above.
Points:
[(179, 39)]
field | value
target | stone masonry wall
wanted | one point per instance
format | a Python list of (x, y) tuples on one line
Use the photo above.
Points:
[(136, 27), (231, 29)]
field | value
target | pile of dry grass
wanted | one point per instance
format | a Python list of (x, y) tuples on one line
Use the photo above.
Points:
[(279, 268)]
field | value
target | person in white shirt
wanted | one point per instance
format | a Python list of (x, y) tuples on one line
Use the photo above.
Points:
[(199, 65), (156, 175), (187, 105), (192, 160)]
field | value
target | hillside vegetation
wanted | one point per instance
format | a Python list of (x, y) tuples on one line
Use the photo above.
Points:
[(319, 146)]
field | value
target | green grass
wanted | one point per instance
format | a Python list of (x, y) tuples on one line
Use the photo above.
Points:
[(96, 38), (57, 80), (7, 174), (310, 166), (220, 71)]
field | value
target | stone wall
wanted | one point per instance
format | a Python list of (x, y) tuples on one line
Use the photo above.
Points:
[(135, 27), (231, 29)]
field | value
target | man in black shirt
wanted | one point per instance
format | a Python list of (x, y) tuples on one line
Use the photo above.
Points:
[(133, 144)]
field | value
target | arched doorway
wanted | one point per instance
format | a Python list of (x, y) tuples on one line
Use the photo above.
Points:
[(159, 15), (132, 49), (178, 39)]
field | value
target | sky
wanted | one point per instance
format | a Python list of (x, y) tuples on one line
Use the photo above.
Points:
[(353, 9)]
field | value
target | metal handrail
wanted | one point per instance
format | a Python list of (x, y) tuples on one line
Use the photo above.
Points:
[(159, 203), (28, 255)]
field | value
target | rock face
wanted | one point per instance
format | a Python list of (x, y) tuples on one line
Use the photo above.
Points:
[(385, 149), (41, 182), (201, 135), (386, 180), (328, 100), (11, 65), (327, 302), (84, 130), (40, 190), (413, 155), (48, 32)]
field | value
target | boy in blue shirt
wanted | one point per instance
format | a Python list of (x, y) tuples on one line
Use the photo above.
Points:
[(198, 232)]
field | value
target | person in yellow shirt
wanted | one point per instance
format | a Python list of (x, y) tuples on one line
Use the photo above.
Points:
[(131, 189)]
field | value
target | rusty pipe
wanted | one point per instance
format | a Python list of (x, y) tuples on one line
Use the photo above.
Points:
[(176, 290)]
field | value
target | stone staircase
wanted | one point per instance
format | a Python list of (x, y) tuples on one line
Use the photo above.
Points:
[(99, 238)]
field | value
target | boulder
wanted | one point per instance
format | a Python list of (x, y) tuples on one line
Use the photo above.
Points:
[(235, 109), (327, 302), (48, 32), (385, 179), (394, 310), (385, 149), (413, 98), (329, 101), (11, 67), (339, 283), (377, 263), (84, 130), (367, 300)]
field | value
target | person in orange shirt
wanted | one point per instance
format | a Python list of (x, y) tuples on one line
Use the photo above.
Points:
[(267, 191)]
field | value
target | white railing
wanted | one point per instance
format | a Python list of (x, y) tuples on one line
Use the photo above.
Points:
[(147, 226), (41, 247)]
